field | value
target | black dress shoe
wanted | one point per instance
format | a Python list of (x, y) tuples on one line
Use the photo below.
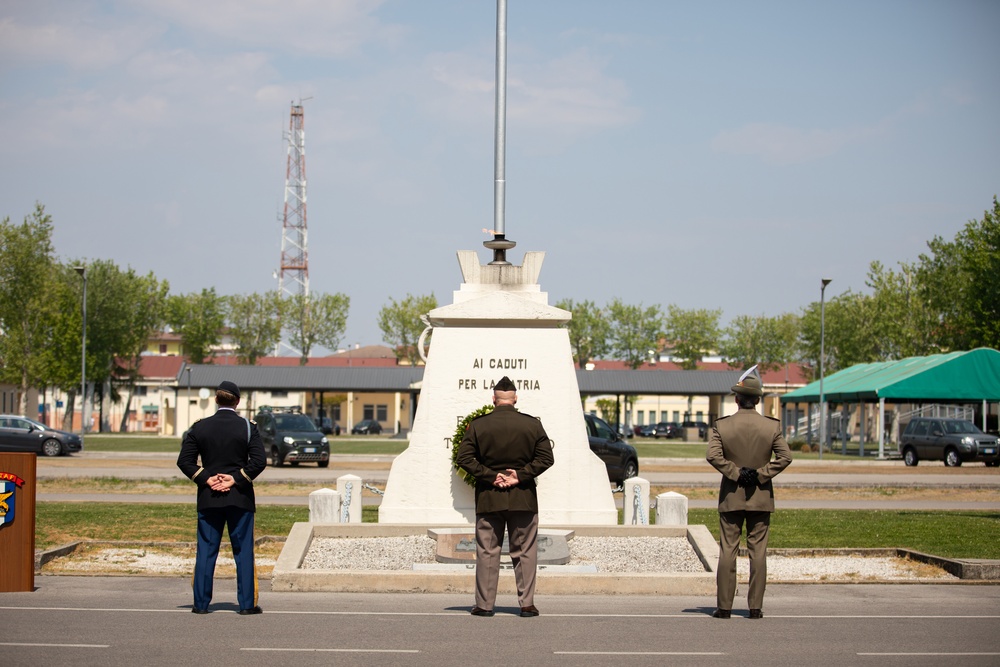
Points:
[(756, 613), (476, 611), (250, 611), (195, 610), (722, 613), (529, 611)]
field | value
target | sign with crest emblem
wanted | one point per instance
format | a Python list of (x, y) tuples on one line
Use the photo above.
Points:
[(9, 484)]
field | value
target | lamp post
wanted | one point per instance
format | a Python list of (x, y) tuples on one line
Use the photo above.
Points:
[(822, 356), (84, 421)]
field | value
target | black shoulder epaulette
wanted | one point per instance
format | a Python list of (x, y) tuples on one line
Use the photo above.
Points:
[(721, 418), (774, 419), (527, 415)]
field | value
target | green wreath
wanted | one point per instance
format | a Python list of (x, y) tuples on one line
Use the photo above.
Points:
[(456, 440)]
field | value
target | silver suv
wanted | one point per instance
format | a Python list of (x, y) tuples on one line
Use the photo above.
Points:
[(950, 440)]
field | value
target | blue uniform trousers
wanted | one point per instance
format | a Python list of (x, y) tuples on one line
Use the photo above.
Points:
[(240, 525)]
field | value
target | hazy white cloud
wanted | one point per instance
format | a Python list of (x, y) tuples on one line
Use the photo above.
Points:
[(568, 94), (78, 43), (317, 27), (783, 144)]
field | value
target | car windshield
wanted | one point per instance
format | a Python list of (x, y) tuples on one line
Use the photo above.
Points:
[(960, 426), (293, 423)]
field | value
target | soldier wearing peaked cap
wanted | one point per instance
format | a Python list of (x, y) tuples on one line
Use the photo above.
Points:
[(232, 456), (749, 449), (505, 451)]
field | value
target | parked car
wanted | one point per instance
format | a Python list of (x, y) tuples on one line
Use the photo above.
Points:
[(645, 431), (668, 430), (950, 440), (20, 434), (620, 457), (367, 427), (291, 437), (701, 426), (327, 426)]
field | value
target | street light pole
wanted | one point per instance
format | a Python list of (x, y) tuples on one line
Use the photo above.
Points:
[(188, 369), (84, 422), (822, 357)]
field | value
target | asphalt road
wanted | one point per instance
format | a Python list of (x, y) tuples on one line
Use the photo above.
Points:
[(113, 621)]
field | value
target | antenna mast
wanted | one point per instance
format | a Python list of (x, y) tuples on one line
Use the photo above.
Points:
[(293, 278)]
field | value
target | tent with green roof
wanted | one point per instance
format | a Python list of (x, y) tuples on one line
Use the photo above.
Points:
[(955, 377)]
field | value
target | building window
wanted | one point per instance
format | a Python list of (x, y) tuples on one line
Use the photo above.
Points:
[(677, 416), (640, 417), (335, 412), (279, 394), (698, 416), (163, 348), (368, 412), (382, 412)]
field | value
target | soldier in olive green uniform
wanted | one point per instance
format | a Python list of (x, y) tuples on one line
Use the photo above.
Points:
[(741, 448), (505, 450)]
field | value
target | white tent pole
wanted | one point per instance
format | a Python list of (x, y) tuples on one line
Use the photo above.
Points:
[(881, 427)]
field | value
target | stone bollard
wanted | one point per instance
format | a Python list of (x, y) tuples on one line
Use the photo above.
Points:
[(324, 506), (671, 509), (636, 501), (349, 487)]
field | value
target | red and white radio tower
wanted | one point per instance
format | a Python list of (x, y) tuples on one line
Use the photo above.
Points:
[(294, 276)]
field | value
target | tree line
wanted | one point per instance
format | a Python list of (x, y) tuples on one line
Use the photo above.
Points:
[(949, 299)]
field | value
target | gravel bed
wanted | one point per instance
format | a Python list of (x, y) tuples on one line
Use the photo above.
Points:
[(608, 554)]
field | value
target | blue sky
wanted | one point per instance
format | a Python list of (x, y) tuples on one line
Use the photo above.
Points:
[(708, 155)]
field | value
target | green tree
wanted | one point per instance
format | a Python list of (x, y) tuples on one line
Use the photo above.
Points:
[(198, 318), (693, 334), (144, 311), (635, 331), (27, 266), (255, 324), (316, 319), (960, 280), (62, 353), (902, 324), (768, 342), (589, 331), (401, 324)]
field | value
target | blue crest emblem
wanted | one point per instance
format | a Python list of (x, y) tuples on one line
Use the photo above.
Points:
[(9, 484), (7, 503)]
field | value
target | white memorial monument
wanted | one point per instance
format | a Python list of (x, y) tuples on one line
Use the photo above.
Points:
[(500, 323)]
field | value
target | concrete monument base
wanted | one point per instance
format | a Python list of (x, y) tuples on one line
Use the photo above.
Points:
[(288, 574)]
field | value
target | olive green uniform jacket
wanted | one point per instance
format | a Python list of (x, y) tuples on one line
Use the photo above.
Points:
[(502, 439), (747, 439)]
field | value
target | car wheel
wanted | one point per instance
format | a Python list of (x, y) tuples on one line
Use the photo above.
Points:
[(631, 469), (51, 447), (951, 458), (276, 459), (910, 457), (323, 464)]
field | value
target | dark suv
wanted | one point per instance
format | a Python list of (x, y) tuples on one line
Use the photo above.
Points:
[(20, 434), (620, 457), (291, 437), (668, 430), (951, 440)]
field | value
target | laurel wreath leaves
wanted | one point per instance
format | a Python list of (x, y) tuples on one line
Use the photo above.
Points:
[(456, 440)]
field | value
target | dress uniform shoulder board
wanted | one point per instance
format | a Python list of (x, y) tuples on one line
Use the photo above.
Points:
[(721, 418), (525, 414), (774, 419)]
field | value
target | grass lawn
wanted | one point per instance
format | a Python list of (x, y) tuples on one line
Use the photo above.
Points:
[(958, 534)]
